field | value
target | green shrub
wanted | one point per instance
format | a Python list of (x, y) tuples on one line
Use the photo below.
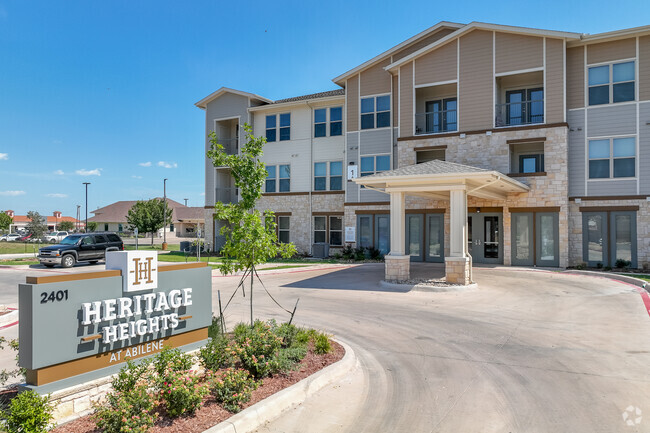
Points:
[(130, 375), (622, 263), (217, 354), (289, 357), (28, 412), (359, 253), (287, 333), (214, 330), (257, 348), (232, 388), (171, 359), (182, 392), (374, 253), (348, 252), (322, 344)]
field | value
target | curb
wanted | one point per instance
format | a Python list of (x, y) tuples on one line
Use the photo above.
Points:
[(272, 407), (624, 278), (9, 318), (425, 287)]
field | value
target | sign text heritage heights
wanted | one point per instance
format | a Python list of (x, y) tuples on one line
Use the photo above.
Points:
[(79, 327)]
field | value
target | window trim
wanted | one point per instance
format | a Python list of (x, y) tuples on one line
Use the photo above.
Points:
[(328, 229), (390, 163), (277, 177), (328, 176), (277, 128), (611, 158), (328, 122), (610, 83), (375, 112), (278, 230), (539, 162)]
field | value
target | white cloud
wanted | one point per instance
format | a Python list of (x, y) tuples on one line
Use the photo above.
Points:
[(12, 193), (145, 164), (136, 177), (84, 172), (4, 156), (57, 195), (59, 172), (202, 193), (167, 164)]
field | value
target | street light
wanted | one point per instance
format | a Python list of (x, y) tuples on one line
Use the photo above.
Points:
[(165, 213), (86, 229)]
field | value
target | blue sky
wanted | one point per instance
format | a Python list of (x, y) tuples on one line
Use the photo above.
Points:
[(104, 91)]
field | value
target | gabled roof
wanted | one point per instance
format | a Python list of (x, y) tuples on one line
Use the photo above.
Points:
[(116, 212), (442, 24), (203, 103), (483, 26), (329, 93), (425, 169)]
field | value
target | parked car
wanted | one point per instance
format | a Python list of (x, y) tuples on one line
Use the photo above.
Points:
[(24, 238), (55, 237), (10, 237), (84, 247)]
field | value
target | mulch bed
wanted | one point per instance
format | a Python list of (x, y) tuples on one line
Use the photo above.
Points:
[(211, 414)]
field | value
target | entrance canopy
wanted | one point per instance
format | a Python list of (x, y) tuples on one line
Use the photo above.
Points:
[(440, 180), (435, 179)]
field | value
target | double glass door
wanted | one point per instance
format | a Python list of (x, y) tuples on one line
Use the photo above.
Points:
[(374, 232), (484, 237), (535, 239), (609, 237), (425, 237)]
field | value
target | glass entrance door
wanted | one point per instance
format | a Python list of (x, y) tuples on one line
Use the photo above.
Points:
[(522, 239), (435, 245), (414, 236), (608, 238), (484, 234), (382, 228)]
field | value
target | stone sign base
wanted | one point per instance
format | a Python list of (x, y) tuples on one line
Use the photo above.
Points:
[(457, 270)]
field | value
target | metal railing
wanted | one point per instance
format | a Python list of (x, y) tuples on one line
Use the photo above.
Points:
[(519, 113), (225, 195), (230, 145), (436, 121)]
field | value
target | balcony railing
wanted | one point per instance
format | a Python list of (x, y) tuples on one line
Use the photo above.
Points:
[(436, 121), (520, 113), (229, 145), (225, 195)]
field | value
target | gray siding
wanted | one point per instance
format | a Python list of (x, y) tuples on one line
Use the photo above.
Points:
[(611, 120), (352, 189), (368, 195), (644, 148), (613, 187), (576, 154), (376, 141)]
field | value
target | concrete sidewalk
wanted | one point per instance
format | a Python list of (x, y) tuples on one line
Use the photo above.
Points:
[(16, 256)]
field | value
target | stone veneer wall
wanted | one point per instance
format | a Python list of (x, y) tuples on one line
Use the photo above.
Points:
[(642, 228), (492, 152)]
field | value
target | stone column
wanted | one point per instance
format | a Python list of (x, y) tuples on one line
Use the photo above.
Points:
[(396, 262), (457, 264)]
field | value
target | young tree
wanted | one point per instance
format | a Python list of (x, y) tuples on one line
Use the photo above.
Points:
[(5, 221), (36, 226), (66, 226), (250, 236), (148, 216), (92, 226)]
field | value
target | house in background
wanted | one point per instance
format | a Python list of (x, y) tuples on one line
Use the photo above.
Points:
[(184, 221), (21, 221)]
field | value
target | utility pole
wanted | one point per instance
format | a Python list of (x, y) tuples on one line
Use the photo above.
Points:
[(165, 213), (86, 228)]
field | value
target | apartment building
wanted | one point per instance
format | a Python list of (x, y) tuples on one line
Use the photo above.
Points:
[(467, 143)]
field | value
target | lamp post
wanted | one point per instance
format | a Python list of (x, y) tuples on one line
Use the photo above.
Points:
[(86, 227), (164, 245)]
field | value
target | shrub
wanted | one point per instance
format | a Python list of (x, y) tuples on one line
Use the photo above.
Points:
[(338, 256), (217, 354), (599, 265), (182, 392), (130, 375), (232, 388), (214, 330), (375, 254), (257, 348), (622, 263), (607, 268), (359, 253), (322, 344), (28, 413), (289, 357), (348, 252), (287, 333), (171, 360)]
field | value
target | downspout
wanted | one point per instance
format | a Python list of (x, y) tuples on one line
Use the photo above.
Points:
[(311, 176)]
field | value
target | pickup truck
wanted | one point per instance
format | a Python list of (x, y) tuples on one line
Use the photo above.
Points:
[(55, 237), (84, 247)]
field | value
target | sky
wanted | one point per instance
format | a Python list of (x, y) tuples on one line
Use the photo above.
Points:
[(104, 91)]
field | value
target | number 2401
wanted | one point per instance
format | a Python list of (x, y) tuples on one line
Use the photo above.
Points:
[(61, 295)]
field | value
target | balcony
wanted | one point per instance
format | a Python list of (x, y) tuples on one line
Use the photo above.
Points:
[(519, 99), (230, 145), (520, 113), (436, 109), (226, 195)]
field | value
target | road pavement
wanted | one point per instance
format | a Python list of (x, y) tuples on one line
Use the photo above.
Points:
[(528, 351)]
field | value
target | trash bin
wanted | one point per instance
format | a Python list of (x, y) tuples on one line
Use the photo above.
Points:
[(185, 245), (320, 250)]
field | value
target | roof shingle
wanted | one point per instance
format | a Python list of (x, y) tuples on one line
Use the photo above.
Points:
[(329, 93)]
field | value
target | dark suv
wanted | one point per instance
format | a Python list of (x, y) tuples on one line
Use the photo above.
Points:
[(84, 247)]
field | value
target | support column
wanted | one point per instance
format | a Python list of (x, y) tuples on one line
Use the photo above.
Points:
[(396, 262), (457, 265)]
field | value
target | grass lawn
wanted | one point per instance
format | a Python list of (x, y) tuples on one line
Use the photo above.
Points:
[(178, 256), (640, 276), (144, 246), (19, 247), (19, 262)]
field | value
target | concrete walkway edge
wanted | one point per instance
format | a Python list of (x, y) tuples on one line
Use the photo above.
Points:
[(624, 278), (272, 407), (425, 287)]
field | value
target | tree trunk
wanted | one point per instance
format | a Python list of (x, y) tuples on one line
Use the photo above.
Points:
[(152, 239)]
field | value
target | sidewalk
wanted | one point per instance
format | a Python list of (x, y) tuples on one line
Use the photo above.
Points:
[(16, 256)]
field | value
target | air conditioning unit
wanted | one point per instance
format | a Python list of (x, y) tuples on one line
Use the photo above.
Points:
[(320, 250)]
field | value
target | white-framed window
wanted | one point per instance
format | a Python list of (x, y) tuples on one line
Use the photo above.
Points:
[(278, 178), (284, 228), (612, 83), (375, 112), (328, 174), (272, 127), (321, 121), (328, 228), (612, 158), (374, 164)]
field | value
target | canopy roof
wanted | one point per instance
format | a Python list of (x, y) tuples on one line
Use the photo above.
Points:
[(434, 179)]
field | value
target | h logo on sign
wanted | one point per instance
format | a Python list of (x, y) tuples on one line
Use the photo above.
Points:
[(142, 270)]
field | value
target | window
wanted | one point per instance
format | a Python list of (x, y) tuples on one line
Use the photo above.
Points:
[(531, 163), (611, 83), (441, 115), (328, 229), (335, 176), (105, 227), (270, 178), (524, 106), (119, 228), (374, 164), (612, 158), (375, 112), (429, 155), (285, 127), (270, 128), (285, 178), (283, 227), (335, 122)]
